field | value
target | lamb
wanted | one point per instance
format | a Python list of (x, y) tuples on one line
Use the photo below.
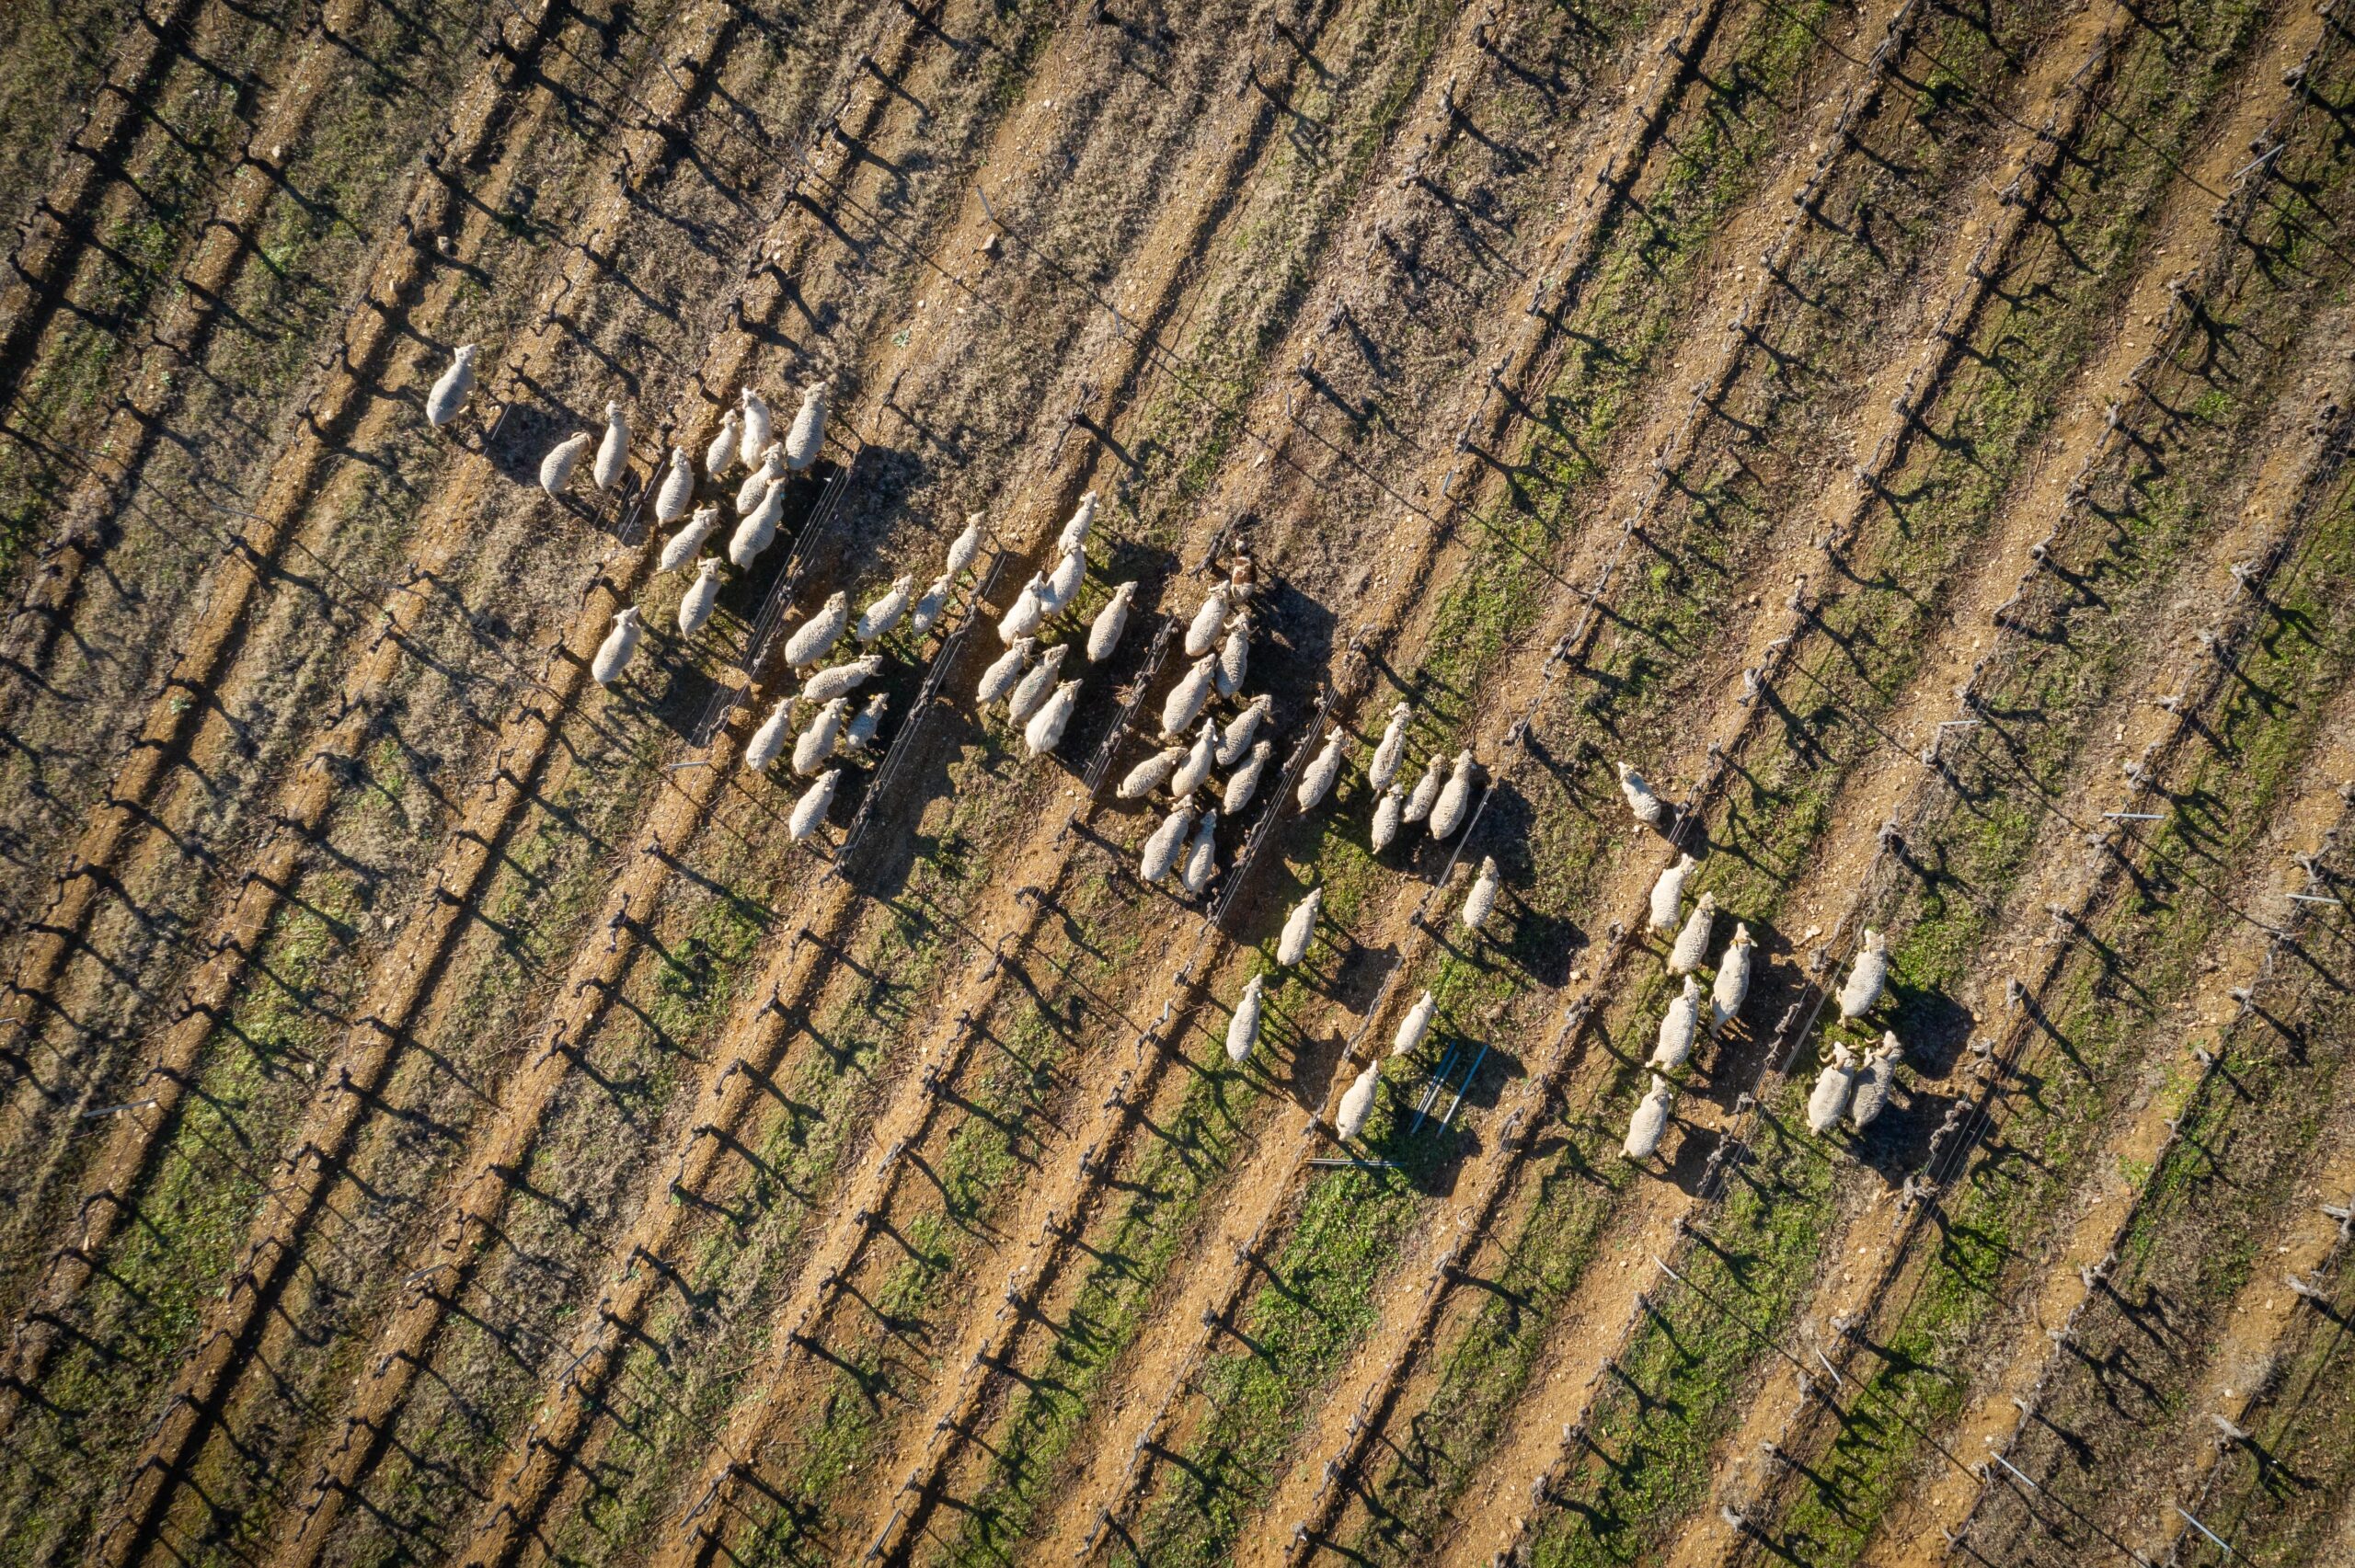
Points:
[(842, 679), (1031, 693), (1733, 981), (1209, 619), (1481, 901), (1151, 774), (814, 637), (817, 743), (449, 393), (1243, 783), (1874, 1081), (613, 453), (766, 471), (1186, 700), (758, 530), (769, 739), (1651, 1120), (1415, 1025), (1004, 671), (966, 547), (860, 734), (1161, 845), (1693, 941), (876, 620), (702, 596), (1195, 771), (1426, 795), (1234, 655), (1677, 1026), (1063, 582), (1455, 800), (1081, 522), (754, 439), (809, 431), (1668, 894), (1868, 977), (680, 547), (557, 467), (1300, 927), (1236, 738), (1647, 806), (678, 489), (1385, 819), (1317, 782), (1028, 609), (1390, 751), (926, 609), (1202, 859), (1046, 728), (1829, 1096), (614, 651), (1243, 1029), (1104, 632), (720, 455), (1357, 1105), (812, 808)]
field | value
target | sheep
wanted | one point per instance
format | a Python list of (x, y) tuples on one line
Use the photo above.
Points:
[(1028, 609), (1873, 1081), (1829, 1096), (809, 430), (926, 609), (818, 742), (1243, 1029), (614, 651), (557, 467), (1651, 1120), (1031, 693), (1004, 671), (449, 393), (613, 453), (1104, 632), (769, 739), (720, 455), (1867, 978), (1236, 738), (1647, 806), (812, 639), (1693, 941), (1046, 728), (1186, 700), (1162, 844), (1195, 771), (702, 596), (1063, 582), (680, 547), (877, 620), (1415, 1025), (1426, 795), (1733, 981), (1390, 751), (1316, 783), (754, 440), (766, 471), (1357, 1105), (1202, 859), (1234, 655), (1455, 800), (1385, 819), (842, 679), (1668, 894), (1243, 783), (811, 810), (1151, 774), (860, 734), (1300, 927), (966, 547), (1677, 1026), (758, 530), (678, 489), (1081, 522), (1209, 619), (1481, 901)]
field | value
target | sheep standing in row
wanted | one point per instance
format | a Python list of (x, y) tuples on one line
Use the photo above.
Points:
[(451, 391), (1243, 1029), (812, 808), (613, 453), (816, 636), (1732, 985), (817, 743), (677, 492), (1426, 795), (1063, 581), (557, 468), (926, 613), (767, 475), (1316, 781), (1668, 894), (1415, 1025), (680, 547), (861, 733), (1481, 901), (1651, 1120), (966, 548), (1026, 614), (1209, 619), (1646, 807), (1243, 783), (1357, 1105), (757, 532), (1104, 633), (1031, 693), (1234, 655), (1187, 699), (1874, 1080), (1235, 739), (1390, 751), (1194, 771), (613, 654), (1201, 861), (1677, 1028), (808, 433), (874, 622), (1829, 1096), (719, 456), (1300, 929), (1078, 526), (1385, 819), (1692, 944), (1045, 730), (1151, 774), (1867, 978), (1004, 671), (1161, 846), (702, 597), (1455, 801), (754, 439), (769, 740), (842, 680)]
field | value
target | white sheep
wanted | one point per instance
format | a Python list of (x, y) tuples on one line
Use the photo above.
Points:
[(1829, 1096), (1031, 693), (1104, 632), (1234, 655), (1455, 801), (557, 468), (720, 455), (1243, 783), (1873, 1081), (842, 680), (758, 530), (1385, 817), (1186, 700), (1651, 1120), (1733, 981), (702, 597), (1202, 859), (1357, 1105), (860, 734), (614, 651), (1243, 1029), (814, 637), (877, 620), (1236, 739), (1004, 671), (754, 440), (1481, 901), (1300, 929), (809, 431), (1415, 1025), (1693, 941), (1195, 771), (1063, 582), (1677, 1028), (812, 808), (925, 611), (1668, 894), (1151, 774), (449, 393), (765, 473), (1081, 522), (1045, 731), (1209, 619), (1029, 607), (1867, 978), (966, 547), (1426, 795), (1390, 751), (613, 453), (1647, 806), (1162, 844), (818, 742), (677, 491), (1316, 781), (680, 547), (769, 739)]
